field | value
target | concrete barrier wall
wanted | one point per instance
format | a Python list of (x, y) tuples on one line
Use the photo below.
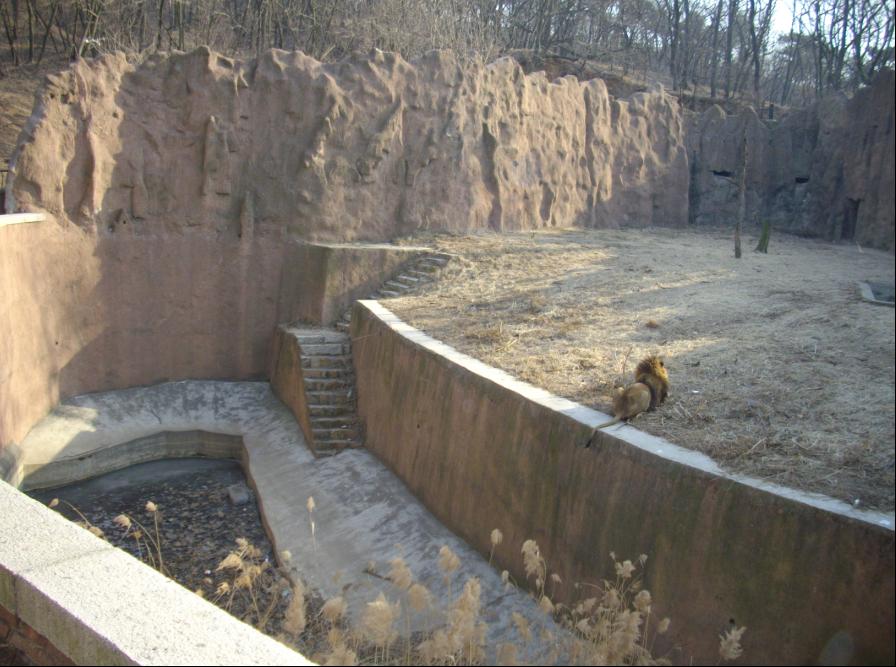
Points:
[(97, 605), (336, 274), (24, 639), (129, 305), (808, 576), (288, 380), (84, 312)]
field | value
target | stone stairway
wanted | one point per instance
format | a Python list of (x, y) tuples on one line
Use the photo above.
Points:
[(421, 271), (327, 407), (329, 389)]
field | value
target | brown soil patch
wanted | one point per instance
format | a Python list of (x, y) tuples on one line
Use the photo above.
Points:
[(778, 368)]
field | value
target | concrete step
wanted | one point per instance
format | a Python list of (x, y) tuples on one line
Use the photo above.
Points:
[(344, 383), (328, 349), (426, 268), (328, 410), (315, 336), (333, 446), (347, 421), (423, 277), (394, 284), (330, 397), (327, 361), (408, 280), (433, 259), (342, 325), (321, 373), (386, 294), (330, 435)]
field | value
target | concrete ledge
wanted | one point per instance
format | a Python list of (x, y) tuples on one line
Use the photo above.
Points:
[(19, 218), (335, 274), (163, 445), (129, 614), (287, 378), (484, 450)]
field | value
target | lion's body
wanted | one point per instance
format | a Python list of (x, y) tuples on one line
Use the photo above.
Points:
[(650, 389)]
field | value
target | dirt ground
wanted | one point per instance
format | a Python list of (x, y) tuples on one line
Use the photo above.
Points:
[(777, 368)]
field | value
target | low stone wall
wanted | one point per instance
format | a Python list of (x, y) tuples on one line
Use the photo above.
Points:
[(287, 378), (65, 591), (806, 574), (63, 470), (36, 648)]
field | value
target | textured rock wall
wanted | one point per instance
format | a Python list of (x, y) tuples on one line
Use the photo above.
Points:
[(361, 149), (827, 171)]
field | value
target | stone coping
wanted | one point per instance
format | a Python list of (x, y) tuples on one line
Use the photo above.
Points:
[(100, 606), (628, 434), (364, 514), (19, 218)]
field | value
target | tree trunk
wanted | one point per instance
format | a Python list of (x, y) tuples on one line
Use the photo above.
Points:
[(159, 27), (714, 54), (762, 246), (729, 45), (741, 193)]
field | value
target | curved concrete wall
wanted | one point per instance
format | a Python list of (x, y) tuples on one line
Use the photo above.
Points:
[(84, 312), (99, 606), (483, 450), (122, 306)]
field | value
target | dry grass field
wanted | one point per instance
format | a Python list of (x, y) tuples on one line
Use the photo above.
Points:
[(778, 369)]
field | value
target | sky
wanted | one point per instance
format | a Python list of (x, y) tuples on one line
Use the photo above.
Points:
[(782, 17)]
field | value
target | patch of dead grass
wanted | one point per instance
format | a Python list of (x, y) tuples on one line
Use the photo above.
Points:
[(777, 368)]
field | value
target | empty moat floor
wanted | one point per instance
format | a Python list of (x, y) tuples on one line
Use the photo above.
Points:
[(779, 369), (363, 515), (198, 523)]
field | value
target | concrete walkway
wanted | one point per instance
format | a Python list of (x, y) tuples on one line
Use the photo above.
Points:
[(364, 515)]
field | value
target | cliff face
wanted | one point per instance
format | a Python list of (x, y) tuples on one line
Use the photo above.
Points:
[(827, 171), (361, 149), (374, 148)]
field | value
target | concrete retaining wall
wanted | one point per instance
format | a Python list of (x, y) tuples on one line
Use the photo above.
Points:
[(806, 574), (123, 306), (86, 312), (22, 638), (336, 274), (288, 380)]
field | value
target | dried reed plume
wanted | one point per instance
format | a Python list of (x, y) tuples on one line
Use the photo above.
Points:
[(341, 655), (448, 560), (729, 643), (294, 619), (378, 622), (400, 575), (333, 609), (496, 538)]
